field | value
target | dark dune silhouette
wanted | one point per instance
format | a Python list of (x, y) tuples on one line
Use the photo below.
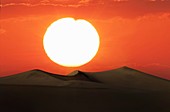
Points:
[(130, 78), (119, 90), (42, 78)]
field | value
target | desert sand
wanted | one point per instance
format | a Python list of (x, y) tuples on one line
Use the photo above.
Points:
[(118, 90)]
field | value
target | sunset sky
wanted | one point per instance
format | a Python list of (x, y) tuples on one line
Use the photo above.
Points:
[(134, 33)]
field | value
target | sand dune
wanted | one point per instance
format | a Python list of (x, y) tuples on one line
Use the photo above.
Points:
[(42, 78), (130, 78), (124, 77), (119, 90)]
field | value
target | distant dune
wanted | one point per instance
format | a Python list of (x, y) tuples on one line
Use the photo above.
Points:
[(119, 90), (130, 78)]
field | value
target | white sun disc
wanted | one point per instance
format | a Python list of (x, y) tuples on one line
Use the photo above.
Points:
[(71, 43)]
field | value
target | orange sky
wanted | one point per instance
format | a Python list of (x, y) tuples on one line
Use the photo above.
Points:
[(134, 33)]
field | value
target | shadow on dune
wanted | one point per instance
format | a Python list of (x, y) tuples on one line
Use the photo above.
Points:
[(119, 90)]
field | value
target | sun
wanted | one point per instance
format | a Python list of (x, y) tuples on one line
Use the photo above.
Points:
[(71, 43)]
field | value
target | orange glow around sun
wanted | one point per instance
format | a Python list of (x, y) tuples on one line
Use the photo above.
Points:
[(34, 34)]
